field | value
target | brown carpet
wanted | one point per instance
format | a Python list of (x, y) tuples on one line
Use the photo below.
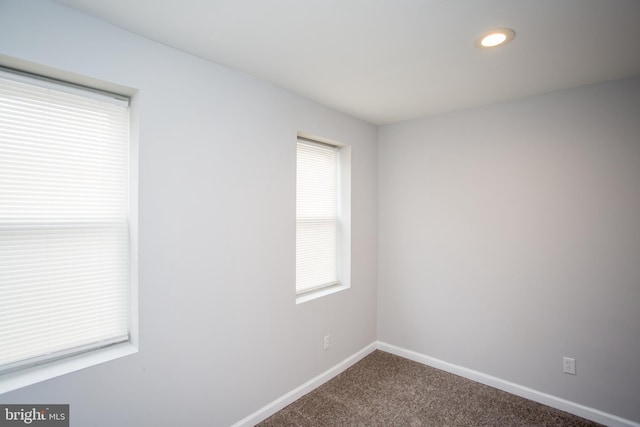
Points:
[(386, 390)]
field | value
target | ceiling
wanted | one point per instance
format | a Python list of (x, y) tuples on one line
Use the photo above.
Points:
[(385, 61)]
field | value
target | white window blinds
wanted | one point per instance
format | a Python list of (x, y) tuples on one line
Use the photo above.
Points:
[(316, 216), (64, 232)]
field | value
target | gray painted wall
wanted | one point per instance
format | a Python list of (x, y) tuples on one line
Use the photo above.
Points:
[(510, 237), (220, 334)]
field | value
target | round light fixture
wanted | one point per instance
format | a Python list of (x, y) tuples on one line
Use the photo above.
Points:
[(494, 38)]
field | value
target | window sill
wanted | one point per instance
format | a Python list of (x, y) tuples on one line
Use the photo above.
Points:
[(35, 374), (308, 296)]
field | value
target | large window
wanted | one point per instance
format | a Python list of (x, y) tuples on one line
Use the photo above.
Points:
[(322, 216), (64, 220)]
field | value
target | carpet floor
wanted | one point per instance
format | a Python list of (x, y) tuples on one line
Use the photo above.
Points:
[(387, 390)]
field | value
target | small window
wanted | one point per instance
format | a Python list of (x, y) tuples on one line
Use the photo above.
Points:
[(65, 236), (322, 217)]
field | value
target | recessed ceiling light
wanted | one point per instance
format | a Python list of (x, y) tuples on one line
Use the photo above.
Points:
[(493, 38)]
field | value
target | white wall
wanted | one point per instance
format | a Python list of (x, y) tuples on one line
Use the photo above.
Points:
[(220, 334), (510, 237)]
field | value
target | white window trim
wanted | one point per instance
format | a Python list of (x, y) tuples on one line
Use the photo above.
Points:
[(38, 373), (29, 375), (344, 220)]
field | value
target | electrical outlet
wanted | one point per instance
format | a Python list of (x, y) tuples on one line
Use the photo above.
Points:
[(327, 342), (569, 365)]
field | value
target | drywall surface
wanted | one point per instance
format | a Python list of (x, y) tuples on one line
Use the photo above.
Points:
[(220, 333), (510, 237)]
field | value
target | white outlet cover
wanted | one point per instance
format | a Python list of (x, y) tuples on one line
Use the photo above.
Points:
[(569, 365)]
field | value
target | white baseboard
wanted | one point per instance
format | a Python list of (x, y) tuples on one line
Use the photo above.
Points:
[(519, 390), (273, 407)]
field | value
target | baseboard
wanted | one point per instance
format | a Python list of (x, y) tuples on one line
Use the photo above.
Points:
[(519, 390), (273, 407)]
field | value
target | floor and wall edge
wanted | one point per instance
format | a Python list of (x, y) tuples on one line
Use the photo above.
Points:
[(513, 388), (278, 404)]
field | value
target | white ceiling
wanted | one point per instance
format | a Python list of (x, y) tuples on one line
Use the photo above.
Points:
[(390, 60)]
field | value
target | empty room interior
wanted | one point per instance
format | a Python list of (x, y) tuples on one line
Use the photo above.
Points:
[(487, 203)]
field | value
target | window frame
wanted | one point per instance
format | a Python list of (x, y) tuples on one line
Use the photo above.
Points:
[(43, 368), (343, 238)]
